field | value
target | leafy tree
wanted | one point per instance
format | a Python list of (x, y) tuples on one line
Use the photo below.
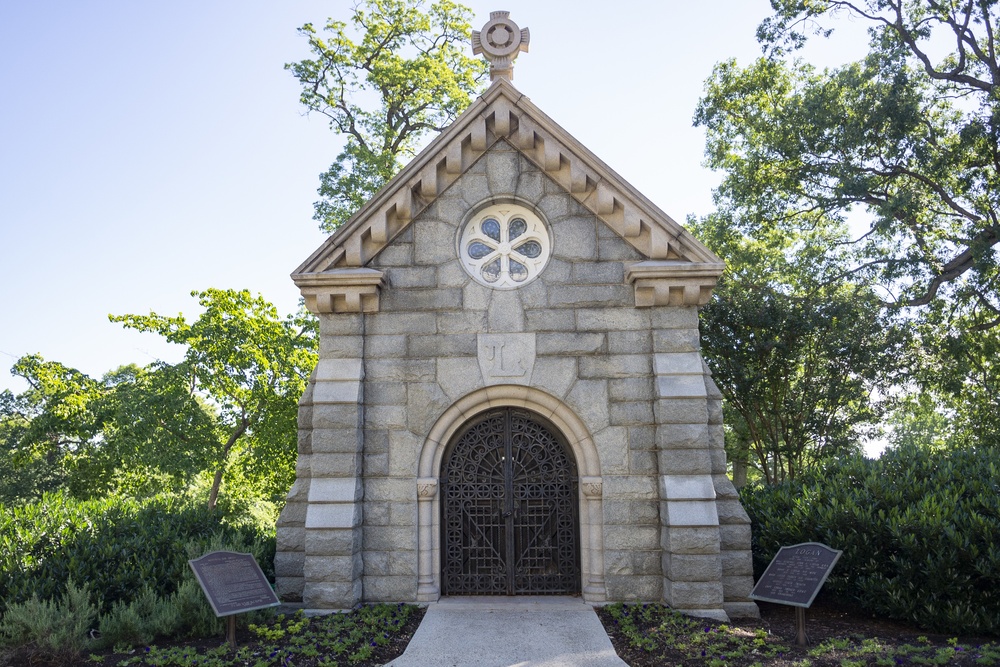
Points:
[(919, 422), (251, 367), (799, 373), (229, 405), (24, 473), (57, 411), (904, 144), (46, 427), (905, 139), (134, 429), (798, 361), (404, 76), (157, 431), (959, 373)]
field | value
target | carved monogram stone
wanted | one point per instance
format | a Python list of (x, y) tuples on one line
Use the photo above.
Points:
[(506, 358)]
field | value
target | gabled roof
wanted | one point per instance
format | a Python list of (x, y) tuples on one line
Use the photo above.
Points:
[(503, 113)]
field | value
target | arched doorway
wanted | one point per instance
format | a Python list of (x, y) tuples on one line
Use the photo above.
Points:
[(510, 523)]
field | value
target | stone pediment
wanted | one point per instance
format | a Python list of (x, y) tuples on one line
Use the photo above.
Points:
[(503, 113)]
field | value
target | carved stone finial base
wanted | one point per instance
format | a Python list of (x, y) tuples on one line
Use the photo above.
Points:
[(500, 41)]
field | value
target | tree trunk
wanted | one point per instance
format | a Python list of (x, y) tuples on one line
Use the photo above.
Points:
[(741, 462), (739, 474), (213, 496), (216, 483)]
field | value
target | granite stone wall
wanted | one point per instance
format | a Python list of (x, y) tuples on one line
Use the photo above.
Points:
[(673, 528)]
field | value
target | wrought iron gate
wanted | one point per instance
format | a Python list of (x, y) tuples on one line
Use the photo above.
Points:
[(510, 509)]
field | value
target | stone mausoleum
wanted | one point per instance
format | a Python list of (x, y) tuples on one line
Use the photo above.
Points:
[(510, 397)]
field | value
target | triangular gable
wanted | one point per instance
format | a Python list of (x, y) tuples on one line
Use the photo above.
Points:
[(503, 113)]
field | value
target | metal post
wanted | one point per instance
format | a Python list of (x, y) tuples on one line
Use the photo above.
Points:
[(231, 630), (800, 627)]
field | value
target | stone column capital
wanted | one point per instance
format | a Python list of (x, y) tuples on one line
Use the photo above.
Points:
[(426, 488), (593, 487)]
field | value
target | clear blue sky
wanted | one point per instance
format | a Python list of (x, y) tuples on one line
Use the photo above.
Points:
[(148, 149)]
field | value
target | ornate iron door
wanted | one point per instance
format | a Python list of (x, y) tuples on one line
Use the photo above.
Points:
[(510, 509)]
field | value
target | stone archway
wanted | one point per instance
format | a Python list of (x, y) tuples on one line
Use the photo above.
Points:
[(589, 488)]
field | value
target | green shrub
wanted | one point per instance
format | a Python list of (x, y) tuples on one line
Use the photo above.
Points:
[(117, 545), (196, 616), (140, 621), (185, 613), (53, 631), (920, 532)]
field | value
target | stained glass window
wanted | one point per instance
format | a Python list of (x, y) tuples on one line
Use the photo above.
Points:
[(479, 250), (505, 246), (530, 249), (492, 229), (517, 227)]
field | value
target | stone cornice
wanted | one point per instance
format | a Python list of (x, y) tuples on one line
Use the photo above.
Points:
[(673, 283), (354, 290), (502, 113)]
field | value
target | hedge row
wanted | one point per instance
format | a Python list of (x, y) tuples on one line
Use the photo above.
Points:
[(920, 532), (115, 546)]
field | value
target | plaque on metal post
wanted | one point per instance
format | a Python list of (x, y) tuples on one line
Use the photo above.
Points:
[(796, 574), (233, 582), (794, 577)]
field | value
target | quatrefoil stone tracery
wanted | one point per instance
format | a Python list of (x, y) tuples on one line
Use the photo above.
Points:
[(504, 246)]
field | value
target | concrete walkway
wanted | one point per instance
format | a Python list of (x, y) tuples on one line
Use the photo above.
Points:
[(509, 632)]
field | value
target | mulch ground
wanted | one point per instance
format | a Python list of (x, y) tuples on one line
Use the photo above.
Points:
[(824, 621), (380, 654)]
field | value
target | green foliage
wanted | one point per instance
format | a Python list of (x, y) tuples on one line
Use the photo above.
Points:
[(797, 358), (903, 144), (195, 613), (24, 473), (335, 639), (139, 621), (904, 138), (135, 430), (51, 630), (897, 142), (798, 372), (918, 420), (251, 366), (663, 633), (230, 405), (54, 420), (959, 374), (119, 546), (155, 425), (652, 634), (919, 531), (354, 178), (405, 74)]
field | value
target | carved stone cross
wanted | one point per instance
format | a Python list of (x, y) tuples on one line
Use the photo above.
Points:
[(500, 40)]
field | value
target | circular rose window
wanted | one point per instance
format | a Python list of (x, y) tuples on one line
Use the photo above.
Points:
[(504, 246)]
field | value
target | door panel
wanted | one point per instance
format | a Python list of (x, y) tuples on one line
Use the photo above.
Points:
[(510, 509)]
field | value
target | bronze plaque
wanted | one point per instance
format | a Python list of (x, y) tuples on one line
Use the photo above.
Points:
[(233, 582), (796, 574)]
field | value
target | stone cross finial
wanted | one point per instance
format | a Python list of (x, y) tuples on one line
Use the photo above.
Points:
[(501, 40)]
